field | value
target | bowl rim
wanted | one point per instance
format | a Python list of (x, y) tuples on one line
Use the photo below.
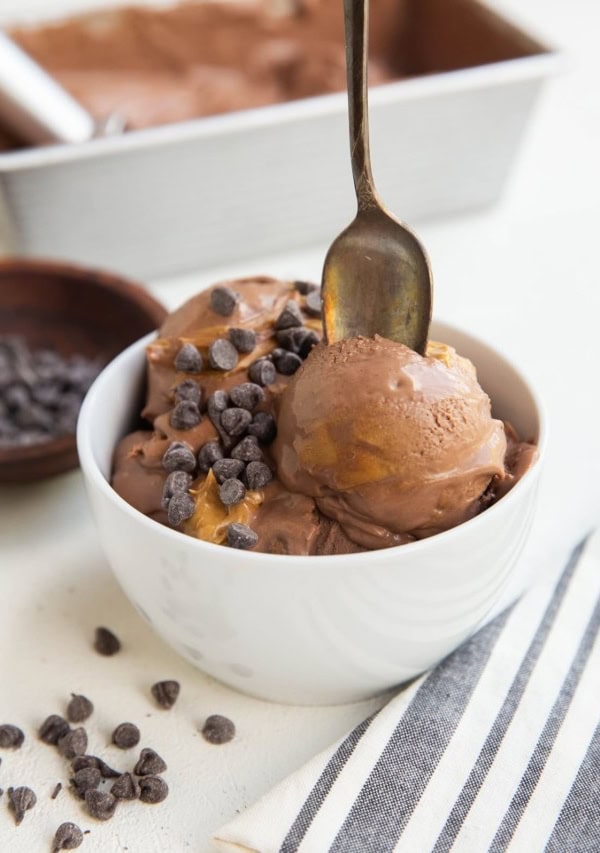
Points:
[(91, 472)]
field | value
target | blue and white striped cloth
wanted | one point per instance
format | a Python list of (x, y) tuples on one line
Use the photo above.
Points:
[(497, 749)]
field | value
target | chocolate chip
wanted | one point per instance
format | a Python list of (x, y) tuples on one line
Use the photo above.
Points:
[(53, 729), (179, 457), (313, 305), (222, 355), (188, 390), (68, 836), (286, 362), (235, 421), (153, 789), (208, 454), (181, 507), (100, 804), (223, 300), (165, 693), (177, 481), (263, 427), (185, 415), (81, 761), (217, 403), (218, 729), (262, 372), (20, 800), (225, 469), (149, 764), (244, 340), (241, 536), (299, 340), (73, 743), (290, 316), (126, 787), (232, 491), (258, 475), (11, 737), (86, 779), (79, 708), (126, 736), (247, 395), (56, 791), (247, 450), (188, 359), (305, 287), (106, 643)]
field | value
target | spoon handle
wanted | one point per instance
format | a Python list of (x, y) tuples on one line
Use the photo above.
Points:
[(356, 21)]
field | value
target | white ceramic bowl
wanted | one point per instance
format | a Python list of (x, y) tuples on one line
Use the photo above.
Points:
[(310, 630)]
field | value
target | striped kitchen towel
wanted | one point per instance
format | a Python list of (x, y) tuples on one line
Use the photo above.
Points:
[(496, 749)]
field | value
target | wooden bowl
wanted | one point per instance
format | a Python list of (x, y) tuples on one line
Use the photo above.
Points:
[(72, 310)]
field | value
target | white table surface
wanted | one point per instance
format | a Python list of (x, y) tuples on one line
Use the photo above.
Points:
[(525, 277)]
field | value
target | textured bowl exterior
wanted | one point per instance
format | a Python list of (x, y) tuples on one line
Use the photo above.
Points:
[(309, 630)]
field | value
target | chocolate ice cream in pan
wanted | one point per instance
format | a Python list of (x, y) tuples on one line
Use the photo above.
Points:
[(260, 436)]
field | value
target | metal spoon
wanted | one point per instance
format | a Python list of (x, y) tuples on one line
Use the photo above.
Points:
[(376, 277)]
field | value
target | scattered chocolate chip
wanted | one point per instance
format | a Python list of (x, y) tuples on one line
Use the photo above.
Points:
[(222, 355), (73, 743), (290, 316), (149, 763), (258, 475), (263, 427), (53, 729), (126, 787), (305, 287), (286, 362), (106, 643), (81, 761), (68, 836), (86, 779), (244, 340), (232, 491), (181, 507), (217, 404), (313, 304), (20, 800), (247, 450), (165, 693), (177, 481), (247, 395), (235, 421), (241, 536), (188, 359), (185, 415), (188, 390), (11, 737), (262, 372), (153, 789), (208, 454), (223, 301), (179, 457), (79, 708), (218, 729), (225, 469), (56, 791), (126, 736), (100, 804)]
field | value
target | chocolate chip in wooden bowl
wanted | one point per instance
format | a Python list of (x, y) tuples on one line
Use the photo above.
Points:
[(218, 729), (258, 475), (241, 536), (235, 421), (105, 642), (305, 287), (166, 693), (149, 763), (313, 304), (126, 736), (68, 836), (247, 395), (126, 787), (100, 804), (222, 355), (79, 708), (73, 743), (247, 450), (53, 729), (244, 340), (263, 427), (153, 789), (86, 779), (232, 491), (11, 737), (290, 316), (262, 371), (225, 469), (286, 362), (179, 456), (188, 359), (185, 415), (181, 507), (208, 454), (188, 390), (177, 481), (223, 300), (20, 801)]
